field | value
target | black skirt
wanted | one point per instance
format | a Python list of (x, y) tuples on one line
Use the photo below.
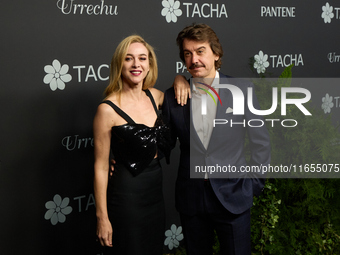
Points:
[(136, 211)]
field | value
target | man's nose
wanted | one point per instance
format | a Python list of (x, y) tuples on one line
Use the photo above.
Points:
[(194, 58)]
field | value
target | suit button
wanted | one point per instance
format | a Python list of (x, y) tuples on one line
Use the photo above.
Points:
[(207, 155)]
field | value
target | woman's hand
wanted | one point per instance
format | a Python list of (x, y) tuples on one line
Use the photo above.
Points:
[(104, 232), (182, 89)]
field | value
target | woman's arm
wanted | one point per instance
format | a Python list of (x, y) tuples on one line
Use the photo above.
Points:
[(102, 125)]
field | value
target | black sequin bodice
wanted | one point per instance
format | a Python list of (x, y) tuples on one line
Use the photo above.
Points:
[(135, 145)]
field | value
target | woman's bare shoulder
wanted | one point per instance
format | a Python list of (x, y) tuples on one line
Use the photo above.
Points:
[(105, 112), (157, 95)]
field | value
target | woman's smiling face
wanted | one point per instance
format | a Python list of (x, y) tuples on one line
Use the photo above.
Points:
[(136, 64)]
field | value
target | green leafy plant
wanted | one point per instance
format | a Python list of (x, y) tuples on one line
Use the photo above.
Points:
[(264, 219), (298, 216)]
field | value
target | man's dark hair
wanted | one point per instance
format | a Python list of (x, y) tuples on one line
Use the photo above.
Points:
[(201, 33)]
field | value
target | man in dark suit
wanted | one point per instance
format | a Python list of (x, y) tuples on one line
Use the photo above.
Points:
[(208, 202)]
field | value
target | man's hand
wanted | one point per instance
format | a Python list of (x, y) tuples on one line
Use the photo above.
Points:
[(182, 89), (112, 166)]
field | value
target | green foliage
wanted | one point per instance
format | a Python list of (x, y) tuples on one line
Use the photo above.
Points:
[(264, 219), (180, 251), (298, 216)]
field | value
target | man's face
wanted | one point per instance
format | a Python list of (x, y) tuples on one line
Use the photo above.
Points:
[(199, 59)]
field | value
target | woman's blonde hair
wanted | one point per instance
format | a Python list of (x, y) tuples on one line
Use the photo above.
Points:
[(116, 83)]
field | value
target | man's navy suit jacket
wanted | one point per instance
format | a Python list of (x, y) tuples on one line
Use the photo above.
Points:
[(226, 147)]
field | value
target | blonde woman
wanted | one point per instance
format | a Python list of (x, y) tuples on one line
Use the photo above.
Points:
[(129, 204)]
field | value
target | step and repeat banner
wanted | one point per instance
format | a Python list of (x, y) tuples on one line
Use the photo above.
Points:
[(55, 57)]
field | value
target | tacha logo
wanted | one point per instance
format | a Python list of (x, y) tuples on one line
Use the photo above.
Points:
[(327, 103), (262, 61), (171, 10), (57, 75), (327, 13)]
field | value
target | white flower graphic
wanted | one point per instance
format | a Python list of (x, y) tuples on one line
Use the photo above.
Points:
[(57, 209), (171, 10), (261, 62), (56, 75), (327, 103), (327, 13), (173, 237)]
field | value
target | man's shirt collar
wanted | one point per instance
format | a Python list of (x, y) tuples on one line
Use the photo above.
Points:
[(213, 84)]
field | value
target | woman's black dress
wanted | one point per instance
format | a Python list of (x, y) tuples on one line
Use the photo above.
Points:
[(134, 195)]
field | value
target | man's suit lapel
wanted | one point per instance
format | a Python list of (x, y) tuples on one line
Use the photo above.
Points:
[(226, 98), (221, 111), (186, 114)]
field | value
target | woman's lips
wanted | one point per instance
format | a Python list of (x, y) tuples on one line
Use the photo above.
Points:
[(135, 72)]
